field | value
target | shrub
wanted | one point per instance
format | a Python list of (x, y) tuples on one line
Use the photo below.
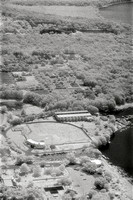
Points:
[(100, 183), (119, 99), (19, 160), (32, 98), (11, 94), (89, 83), (57, 171), (48, 171), (30, 184), (103, 140), (112, 119), (112, 127), (92, 193), (23, 113), (16, 120), (62, 167), (108, 176), (92, 109), (37, 171), (42, 164), (29, 118), (104, 118), (84, 159), (3, 109), (71, 157), (52, 147), (24, 168), (65, 181), (28, 159), (99, 171), (89, 167), (92, 152)]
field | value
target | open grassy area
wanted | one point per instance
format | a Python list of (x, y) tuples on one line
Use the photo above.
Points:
[(30, 82), (82, 182)]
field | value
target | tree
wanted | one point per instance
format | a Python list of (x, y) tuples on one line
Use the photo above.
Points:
[(23, 112), (100, 183), (48, 171), (84, 159), (3, 109), (103, 140), (52, 147), (62, 167), (16, 120), (71, 157), (119, 98), (65, 181), (89, 167), (24, 169), (92, 109), (20, 160), (32, 98), (37, 171), (57, 171), (112, 119)]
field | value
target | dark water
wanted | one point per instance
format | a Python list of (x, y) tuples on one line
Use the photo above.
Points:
[(120, 150), (120, 13)]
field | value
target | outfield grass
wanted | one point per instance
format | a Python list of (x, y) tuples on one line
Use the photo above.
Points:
[(56, 133)]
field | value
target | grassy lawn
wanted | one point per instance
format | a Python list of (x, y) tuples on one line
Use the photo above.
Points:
[(17, 138), (30, 82), (54, 133), (29, 109), (81, 182)]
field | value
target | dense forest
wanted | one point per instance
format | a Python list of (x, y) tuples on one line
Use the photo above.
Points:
[(98, 65)]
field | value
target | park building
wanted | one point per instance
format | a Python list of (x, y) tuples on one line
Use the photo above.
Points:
[(73, 116), (34, 144)]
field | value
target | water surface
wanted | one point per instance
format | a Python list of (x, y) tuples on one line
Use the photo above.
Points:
[(120, 150), (120, 13)]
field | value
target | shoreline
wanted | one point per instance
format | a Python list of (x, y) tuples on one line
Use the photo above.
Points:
[(114, 3), (124, 107)]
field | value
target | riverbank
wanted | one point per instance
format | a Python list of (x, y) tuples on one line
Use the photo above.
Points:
[(124, 107), (122, 185), (115, 2), (96, 3)]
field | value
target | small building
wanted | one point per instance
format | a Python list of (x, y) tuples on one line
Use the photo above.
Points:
[(34, 144), (83, 115)]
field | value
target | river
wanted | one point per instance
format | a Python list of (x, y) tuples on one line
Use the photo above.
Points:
[(120, 13), (120, 150)]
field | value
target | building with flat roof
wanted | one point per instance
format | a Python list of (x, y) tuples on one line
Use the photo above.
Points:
[(34, 144), (73, 116)]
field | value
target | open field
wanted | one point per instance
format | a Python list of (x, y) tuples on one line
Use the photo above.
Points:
[(17, 138), (29, 109), (82, 182), (30, 82), (50, 133), (56, 133)]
